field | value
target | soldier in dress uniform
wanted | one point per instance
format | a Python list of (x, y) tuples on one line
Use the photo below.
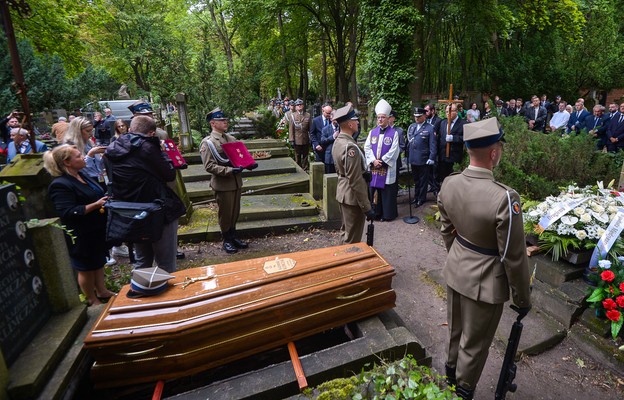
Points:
[(482, 230), (299, 134), (352, 190), (226, 180)]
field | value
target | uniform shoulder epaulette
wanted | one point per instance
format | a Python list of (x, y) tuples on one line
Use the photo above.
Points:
[(455, 173), (507, 188)]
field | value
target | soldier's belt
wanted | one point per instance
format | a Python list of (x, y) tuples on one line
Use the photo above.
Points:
[(474, 247)]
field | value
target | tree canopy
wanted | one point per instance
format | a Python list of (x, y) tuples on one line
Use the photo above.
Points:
[(237, 54)]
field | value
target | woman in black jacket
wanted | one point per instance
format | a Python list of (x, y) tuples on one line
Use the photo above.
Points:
[(79, 201)]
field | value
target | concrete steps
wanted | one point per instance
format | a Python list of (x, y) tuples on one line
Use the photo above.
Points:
[(260, 215), (272, 166)]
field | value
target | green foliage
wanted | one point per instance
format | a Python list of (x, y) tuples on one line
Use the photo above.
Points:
[(401, 379), (536, 164), (390, 52), (265, 124)]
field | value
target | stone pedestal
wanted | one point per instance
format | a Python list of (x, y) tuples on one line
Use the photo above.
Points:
[(317, 171), (26, 171), (58, 276), (331, 209)]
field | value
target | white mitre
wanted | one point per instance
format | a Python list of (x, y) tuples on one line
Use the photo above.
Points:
[(383, 107)]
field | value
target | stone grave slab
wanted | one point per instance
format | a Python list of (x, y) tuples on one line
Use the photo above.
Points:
[(553, 272), (270, 166)]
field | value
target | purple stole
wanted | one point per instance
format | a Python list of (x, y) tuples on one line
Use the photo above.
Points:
[(379, 174)]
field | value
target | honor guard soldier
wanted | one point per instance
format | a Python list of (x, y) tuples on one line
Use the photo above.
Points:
[(299, 134), (482, 230), (352, 190), (226, 180)]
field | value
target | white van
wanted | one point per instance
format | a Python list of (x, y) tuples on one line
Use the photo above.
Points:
[(118, 107)]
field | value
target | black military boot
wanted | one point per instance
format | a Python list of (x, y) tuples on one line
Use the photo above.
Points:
[(463, 393), (239, 244), (228, 245), (451, 378)]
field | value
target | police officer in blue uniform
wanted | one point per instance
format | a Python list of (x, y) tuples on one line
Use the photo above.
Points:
[(422, 153)]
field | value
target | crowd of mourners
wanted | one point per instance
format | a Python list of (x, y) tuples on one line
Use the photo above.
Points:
[(90, 160), (431, 146)]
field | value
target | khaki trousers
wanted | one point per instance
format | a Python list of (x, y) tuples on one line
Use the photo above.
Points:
[(353, 220), (472, 325), (229, 208)]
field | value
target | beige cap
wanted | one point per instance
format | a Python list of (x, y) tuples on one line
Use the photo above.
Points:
[(482, 133)]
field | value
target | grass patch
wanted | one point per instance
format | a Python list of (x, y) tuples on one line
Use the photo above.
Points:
[(439, 290)]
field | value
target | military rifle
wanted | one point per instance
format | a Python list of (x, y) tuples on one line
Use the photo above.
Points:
[(508, 371)]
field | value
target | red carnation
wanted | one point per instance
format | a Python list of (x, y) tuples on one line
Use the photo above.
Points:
[(607, 276), (622, 287), (609, 304), (613, 315), (620, 301), (615, 193)]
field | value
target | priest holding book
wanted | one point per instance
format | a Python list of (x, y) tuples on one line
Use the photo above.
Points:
[(226, 180)]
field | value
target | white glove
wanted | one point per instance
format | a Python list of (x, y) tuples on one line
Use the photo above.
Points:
[(430, 162), (449, 138)]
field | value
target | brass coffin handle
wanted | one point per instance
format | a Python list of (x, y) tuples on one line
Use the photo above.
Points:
[(352, 296), (142, 352)]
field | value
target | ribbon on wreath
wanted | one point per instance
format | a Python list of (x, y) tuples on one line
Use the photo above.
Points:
[(558, 211), (608, 238)]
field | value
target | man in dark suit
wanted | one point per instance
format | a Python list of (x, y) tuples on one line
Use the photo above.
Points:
[(435, 121), (535, 116), (595, 126), (615, 131), (455, 138), (577, 118), (422, 153), (318, 123), (328, 136)]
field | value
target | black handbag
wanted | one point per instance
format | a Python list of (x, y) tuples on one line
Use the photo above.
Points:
[(134, 222)]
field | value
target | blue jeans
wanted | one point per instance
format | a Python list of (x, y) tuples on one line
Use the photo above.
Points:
[(163, 251)]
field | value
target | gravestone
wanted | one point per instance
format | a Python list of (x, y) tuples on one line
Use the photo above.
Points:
[(24, 306)]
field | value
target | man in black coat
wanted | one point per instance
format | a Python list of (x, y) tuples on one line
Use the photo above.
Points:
[(455, 138), (535, 116), (615, 131), (140, 172), (316, 131)]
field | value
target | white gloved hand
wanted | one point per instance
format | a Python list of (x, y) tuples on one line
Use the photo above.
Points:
[(449, 138), (430, 162)]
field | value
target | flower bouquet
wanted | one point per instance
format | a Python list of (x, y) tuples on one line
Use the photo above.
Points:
[(576, 219), (608, 295)]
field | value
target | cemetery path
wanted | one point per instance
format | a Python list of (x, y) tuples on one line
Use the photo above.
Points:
[(563, 372)]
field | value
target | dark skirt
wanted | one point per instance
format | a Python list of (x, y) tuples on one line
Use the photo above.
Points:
[(94, 262)]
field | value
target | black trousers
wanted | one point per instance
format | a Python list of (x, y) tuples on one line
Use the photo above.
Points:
[(420, 173)]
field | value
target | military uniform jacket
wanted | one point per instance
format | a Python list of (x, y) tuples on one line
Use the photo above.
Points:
[(350, 165), (222, 179), (422, 145), (487, 215), (298, 127)]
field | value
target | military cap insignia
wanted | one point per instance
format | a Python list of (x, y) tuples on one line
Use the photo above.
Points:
[(515, 207), (351, 153)]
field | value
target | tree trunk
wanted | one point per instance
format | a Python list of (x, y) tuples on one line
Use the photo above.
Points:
[(323, 70), (419, 40), (289, 90)]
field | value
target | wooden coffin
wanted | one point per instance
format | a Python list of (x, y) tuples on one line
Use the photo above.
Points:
[(245, 308)]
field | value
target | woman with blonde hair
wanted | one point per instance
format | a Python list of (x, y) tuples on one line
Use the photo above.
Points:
[(79, 134), (79, 201)]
